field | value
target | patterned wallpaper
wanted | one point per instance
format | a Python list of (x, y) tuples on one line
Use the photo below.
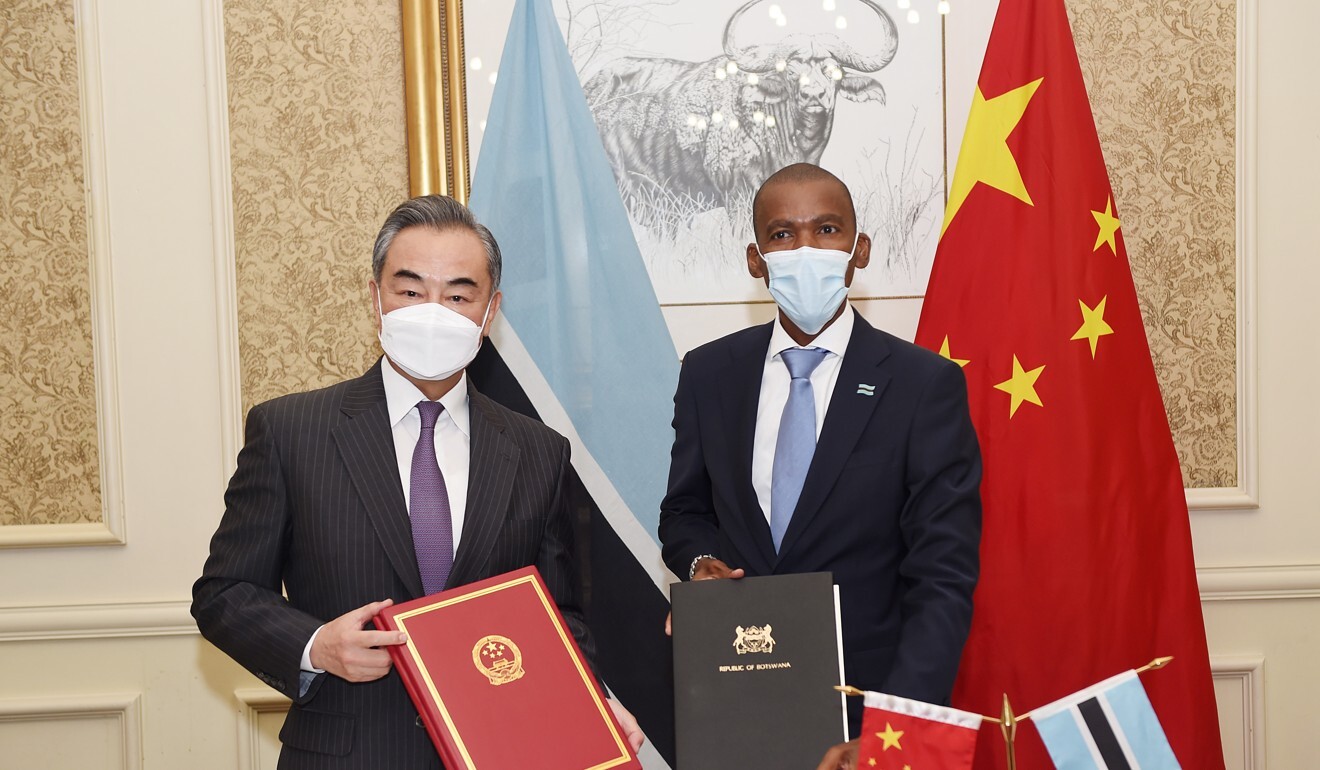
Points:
[(49, 464), (319, 155), (1162, 81), (319, 158)]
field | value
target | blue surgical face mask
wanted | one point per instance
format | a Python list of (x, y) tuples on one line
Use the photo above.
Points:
[(808, 283)]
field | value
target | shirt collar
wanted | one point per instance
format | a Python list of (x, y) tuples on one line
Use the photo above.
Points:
[(401, 397), (834, 338)]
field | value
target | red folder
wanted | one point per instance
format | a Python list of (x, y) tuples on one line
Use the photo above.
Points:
[(500, 682)]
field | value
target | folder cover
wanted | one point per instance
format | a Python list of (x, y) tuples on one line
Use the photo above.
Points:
[(500, 682), (755, 663)]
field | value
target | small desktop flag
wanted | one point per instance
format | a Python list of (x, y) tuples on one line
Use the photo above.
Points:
[(1107, 726), (899, 733)]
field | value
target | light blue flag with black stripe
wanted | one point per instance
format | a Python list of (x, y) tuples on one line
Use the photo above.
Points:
[(582, 333), (1108, 726), (578, 297)]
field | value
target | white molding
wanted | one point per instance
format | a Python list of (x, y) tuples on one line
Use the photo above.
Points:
[(172, 618), (95, 621), (111, 530), (1249, 672), (1299, 581), (252, 703), (1244, 496), (102, 532), (1227, 498), (125, 707), (222, 229)]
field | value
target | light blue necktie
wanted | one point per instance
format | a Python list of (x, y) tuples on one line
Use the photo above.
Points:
[(797, 439), (432, 524)]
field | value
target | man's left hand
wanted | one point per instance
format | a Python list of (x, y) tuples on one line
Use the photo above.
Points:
[(631, 729), (840, 757)]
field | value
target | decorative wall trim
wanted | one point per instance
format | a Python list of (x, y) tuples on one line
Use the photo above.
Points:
[(111, 529), (1244, 496), (1300, 581), (108, 531), (95, 621), (1227, 498), (1248, 671), (252, 703), (124, 707), (146, 619), (222, 233)]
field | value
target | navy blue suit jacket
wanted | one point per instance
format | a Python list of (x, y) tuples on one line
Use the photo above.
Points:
[(890, 506)]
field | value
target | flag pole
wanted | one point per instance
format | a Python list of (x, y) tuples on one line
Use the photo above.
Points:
[(1008, 726), (1154, 665), (1008, 722)]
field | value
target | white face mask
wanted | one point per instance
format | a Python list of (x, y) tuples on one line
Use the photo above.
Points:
[(428, 340), (808, 283)]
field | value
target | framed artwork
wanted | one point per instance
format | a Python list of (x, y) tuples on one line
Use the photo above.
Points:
[(697, 101), (435, 98)]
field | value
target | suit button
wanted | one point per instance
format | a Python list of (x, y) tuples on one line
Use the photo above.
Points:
[(419, 721)]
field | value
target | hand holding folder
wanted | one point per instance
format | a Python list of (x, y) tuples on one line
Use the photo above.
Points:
[(500, 682)]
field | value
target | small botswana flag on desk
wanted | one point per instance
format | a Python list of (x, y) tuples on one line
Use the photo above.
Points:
[(903, 734), (1107, 726)]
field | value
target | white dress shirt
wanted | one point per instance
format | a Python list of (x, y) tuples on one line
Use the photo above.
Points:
[(452, 450), (774, 394)]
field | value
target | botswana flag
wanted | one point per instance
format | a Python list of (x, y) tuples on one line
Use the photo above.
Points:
[(582, 346), (1108, 726)]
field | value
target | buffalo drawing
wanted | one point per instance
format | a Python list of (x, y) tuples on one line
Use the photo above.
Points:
[(702, 135)]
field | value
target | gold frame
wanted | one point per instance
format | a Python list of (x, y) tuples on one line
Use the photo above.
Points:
[(435, 91)]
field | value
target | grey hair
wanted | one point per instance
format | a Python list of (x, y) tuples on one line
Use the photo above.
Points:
[(440, 213)]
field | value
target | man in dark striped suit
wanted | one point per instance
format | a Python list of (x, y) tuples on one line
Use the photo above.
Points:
[(385, 487)]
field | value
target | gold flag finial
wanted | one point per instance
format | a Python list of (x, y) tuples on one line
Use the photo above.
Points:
[(1008, 726), (1155, 665)]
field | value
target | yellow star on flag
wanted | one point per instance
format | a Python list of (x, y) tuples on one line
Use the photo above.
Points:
[(1022, 386), (985, 156), (1109, 225), (890, 737), (871, 761), (1093, 324), (944, 351)]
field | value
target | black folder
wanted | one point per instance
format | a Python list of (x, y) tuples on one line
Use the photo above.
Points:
[(755, 661)]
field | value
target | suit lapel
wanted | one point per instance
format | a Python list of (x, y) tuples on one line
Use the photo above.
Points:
[(366, 444), (740, 395), (849, 414), (491, 472)]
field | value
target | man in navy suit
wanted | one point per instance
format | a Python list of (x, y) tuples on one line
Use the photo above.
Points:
[(887, 497)]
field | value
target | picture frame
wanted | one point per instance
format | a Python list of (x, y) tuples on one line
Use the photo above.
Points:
[(435, 96), (696, 258)]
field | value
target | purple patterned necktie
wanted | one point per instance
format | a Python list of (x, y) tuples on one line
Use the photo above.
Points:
[(432, 526)]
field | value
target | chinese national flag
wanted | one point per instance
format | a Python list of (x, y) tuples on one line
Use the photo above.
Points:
[(1086, 553), (903, 734)]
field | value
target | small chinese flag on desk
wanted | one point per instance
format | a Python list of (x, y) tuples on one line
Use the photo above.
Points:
[(902, 734), (1086, 549)]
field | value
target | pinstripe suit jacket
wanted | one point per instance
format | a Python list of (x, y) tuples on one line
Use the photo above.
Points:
[(316, 507)]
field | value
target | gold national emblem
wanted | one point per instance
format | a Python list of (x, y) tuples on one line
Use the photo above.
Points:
[(498, 658), (753, 639)]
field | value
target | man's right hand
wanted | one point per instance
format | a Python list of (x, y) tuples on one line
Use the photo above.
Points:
[(350, 652), (707, 569), (713, 569)]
